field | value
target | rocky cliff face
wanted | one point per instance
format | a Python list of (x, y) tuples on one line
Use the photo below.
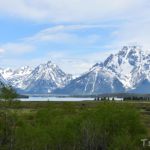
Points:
[(42, 79), (126, 71)]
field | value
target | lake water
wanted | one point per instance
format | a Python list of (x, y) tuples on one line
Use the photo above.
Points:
[(55, 99)]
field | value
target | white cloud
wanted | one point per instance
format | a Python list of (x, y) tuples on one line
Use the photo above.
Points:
[(56, 38), (66, 34), (2, 50), (133, 33), (16, 48), (132, 17), (67, 61), (62, 28), (71, 63), (82, 63), (63, 34), (71, 10)]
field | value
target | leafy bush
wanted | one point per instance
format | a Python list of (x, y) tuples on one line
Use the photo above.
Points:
[(110, 126)]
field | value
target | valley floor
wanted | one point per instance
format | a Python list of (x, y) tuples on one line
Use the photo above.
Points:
[(35, 119), (32, 106)]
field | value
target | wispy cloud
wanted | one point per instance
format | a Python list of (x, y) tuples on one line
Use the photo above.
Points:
[(74, 63), (84, 32), (61, 33), (133, 33), (72, 10), (2, 51), (15, 48)]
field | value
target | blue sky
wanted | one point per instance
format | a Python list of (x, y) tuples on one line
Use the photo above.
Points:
[(74, 34)]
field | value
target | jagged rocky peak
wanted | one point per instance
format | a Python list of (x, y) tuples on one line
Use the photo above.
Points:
[(44, 78), (48, 70), (130, 52), (98, 65), (123, 71), (41, 79), (49, 63), (8, 70), (129, 48), (23, 70), (124, 61), (130, 64), (48, 66)]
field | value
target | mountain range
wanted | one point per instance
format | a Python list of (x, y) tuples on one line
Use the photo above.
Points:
[(128, 70), (39, 80)]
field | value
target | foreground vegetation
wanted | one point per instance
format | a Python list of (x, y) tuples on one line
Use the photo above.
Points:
[(105, 125), (72, 125)]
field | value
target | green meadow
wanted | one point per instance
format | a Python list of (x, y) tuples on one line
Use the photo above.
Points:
[(87, 125)]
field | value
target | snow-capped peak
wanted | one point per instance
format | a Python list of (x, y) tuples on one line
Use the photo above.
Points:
[(23, 71), (123, 71), (15, 76), (45, 78), (120, 72), (129, 65)]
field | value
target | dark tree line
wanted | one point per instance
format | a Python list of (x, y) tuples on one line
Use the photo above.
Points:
[(134, 98)]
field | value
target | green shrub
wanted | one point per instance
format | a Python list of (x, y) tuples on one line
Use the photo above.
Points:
[(110, 126)]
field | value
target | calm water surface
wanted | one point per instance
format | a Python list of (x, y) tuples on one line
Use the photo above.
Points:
[(55, 99)]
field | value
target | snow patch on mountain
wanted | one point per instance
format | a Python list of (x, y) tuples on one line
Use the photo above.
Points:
[(130, 64), (120, 72), (125, 71), (16, 76), (45, 78), (42, 79)]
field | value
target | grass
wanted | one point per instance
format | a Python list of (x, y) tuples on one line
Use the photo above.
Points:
[(69, 115), (26, 107), (32, 106)]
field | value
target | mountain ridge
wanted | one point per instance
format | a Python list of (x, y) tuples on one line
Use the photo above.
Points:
[(128, 70), (123, 71), (41, 79)]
